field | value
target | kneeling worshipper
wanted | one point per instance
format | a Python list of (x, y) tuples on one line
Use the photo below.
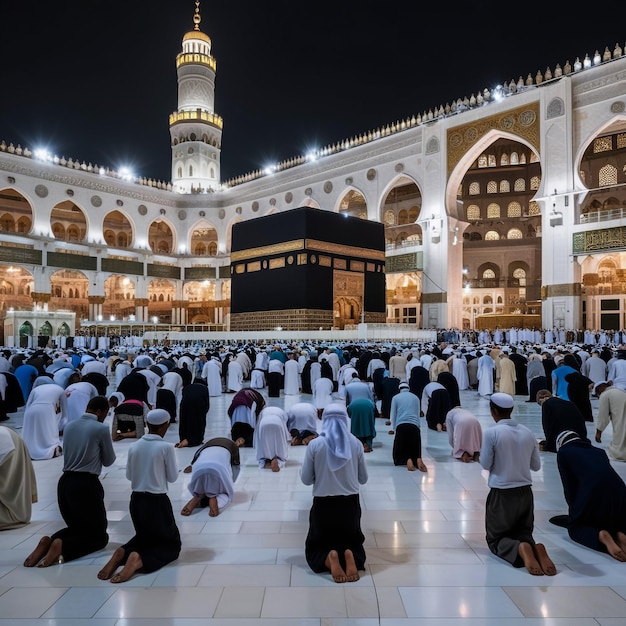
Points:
[(438, 407), (214, 469), (302, 423), (405, 423), (465, 434), (363, 422), (244, 411), (129, 418), (194, 406), (334, 463), (11, 396), (16, 469), (558, 415), (45, 411), (595, 495), (271, 438)]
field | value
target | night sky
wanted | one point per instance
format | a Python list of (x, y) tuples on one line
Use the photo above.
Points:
[(96, 80)]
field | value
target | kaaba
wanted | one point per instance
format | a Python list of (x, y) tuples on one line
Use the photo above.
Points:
[(306, 269)]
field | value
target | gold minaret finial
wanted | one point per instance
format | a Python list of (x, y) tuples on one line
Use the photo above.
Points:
[(196, 17)]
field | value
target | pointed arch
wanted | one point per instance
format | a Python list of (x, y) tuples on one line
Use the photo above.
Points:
[(114, 224), (16, 213)]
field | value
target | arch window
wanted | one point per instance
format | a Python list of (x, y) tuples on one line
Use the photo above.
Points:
[(514, 210), (505, 186), (482, 161), (504, 160), (607, 176), (514, 233), (493, 211), (535, 181), (488, 274), (533, 208), (514, 158), (390, 218), (492, 186), (492, 160), (492, 235), (474, 189), (519, 184), (473, 213)]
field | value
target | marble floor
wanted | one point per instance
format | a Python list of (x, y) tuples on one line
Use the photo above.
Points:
[(427, 561)]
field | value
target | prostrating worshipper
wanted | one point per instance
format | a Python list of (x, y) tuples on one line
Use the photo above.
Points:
[(438, 407), (26, 375), (418, 379), (405, 424), (334, 463), (595, 495), (362, 421), (87, 448), (450, 382), (78, 395), (212, 373), (257, 378), (45, 411), (579, 389), (134, 386), (214, 470), (612, 410), (129, 420), (170, 394), (322, 393), (558, 415), (302, 422), (243, 412), (16, 468), (272, 439), (509, 452), (535, 370), (390, 387), (194, 406), (150, 467), (235, 376), (465, 434), (99, 381), (11, 397), (562, 369)]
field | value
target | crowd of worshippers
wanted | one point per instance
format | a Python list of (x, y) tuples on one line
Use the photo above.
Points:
[(65, 402)]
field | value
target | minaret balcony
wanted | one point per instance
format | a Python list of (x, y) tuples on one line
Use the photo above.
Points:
[(187, 58), (197, 116)]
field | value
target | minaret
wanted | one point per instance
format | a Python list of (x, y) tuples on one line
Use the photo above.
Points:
[(195, 129)]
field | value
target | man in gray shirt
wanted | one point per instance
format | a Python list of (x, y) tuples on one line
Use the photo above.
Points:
[(87, 446)]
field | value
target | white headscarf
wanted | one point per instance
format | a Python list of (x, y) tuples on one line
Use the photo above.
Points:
[(336, 435)]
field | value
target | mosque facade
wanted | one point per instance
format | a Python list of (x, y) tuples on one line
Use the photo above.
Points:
[(505, 208)]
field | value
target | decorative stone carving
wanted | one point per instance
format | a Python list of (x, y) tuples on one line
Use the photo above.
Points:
[(142, 208), (222, 214), (11, 179), (182, 215), (556, 108), (349, 180), (40, 190), (238, 210), (432, 147), (399, 167), (308, 191), (255, 206), (328, 186), (202, 214), (289, 197), (162, 211), (97, 202), (272, 201), (371, 174), (618, 107), (119, 202), (69, 192)]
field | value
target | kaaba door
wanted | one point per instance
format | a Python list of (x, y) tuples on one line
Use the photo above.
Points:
[(348, 289)]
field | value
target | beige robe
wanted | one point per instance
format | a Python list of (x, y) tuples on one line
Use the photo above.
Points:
[(506, 375)]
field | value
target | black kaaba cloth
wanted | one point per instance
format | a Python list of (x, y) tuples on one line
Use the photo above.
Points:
[(298, 259)]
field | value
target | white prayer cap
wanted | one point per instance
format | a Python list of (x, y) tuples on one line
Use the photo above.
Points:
[(157, 417), (502, 400)]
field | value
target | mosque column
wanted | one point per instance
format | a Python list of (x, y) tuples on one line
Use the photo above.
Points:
[(95, 307), (40, 300), (179, 312), (141, 309)]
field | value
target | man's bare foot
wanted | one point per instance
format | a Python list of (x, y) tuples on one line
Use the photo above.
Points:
[(307, 440), (113, 563), (213, 509), (336, 571), (421, 466), (465, 457), (267, 464), (240, 442), (296, 441), (439, 427), (39, 552), (548, 567), (187, 470), (183, 443), (133, 564), (620, 537), (611, 546), (274, 465), (54, 555), (527, 553), (367, 447), (352, 573), (190, 506), (410, 465), (476, 457)]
